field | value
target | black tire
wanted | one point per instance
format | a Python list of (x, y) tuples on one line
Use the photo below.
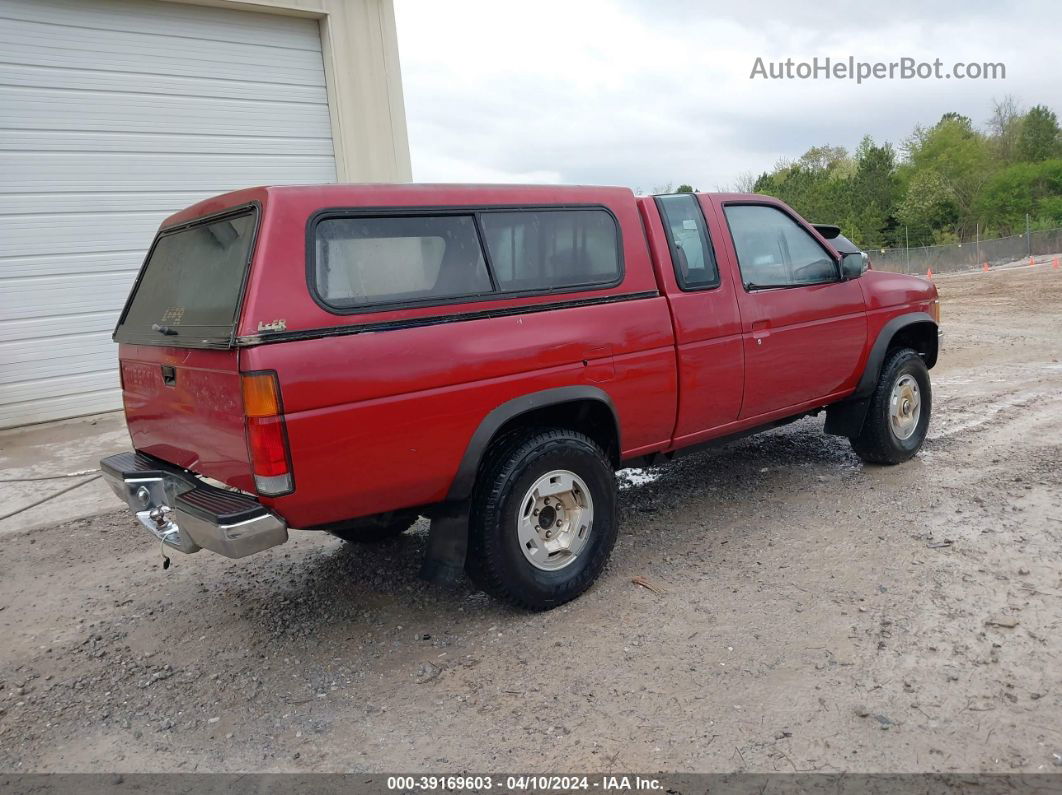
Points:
[(374, 529), (878, 443), (495, 560)]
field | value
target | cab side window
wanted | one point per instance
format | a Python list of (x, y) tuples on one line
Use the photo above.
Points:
[(691, 248), (774, 251)]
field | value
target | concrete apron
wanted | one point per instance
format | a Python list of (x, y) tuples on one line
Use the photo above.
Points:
[(58, 448)]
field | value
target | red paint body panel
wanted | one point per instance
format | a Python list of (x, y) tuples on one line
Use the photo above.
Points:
[(198, 422), (384, 416), (380, 419), (801, 344), (707, 330), (888, 295)]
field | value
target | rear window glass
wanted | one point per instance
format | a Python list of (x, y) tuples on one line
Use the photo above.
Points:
[(189, 290), (365, 261), (691, 249), (548, 249)]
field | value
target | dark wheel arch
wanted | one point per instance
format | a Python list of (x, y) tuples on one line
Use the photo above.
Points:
[(444, 558), (464, 480), (916, 330), (892, 330)]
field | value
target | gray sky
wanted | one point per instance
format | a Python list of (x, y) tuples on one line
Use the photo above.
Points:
[(642, 94)]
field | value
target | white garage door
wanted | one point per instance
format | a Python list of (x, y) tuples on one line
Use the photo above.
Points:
[(112, 115)]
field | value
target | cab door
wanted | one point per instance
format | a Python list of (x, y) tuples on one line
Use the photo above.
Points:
[(803, 327)]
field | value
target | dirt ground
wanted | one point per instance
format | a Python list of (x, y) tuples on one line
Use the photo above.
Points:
[(813, 614)]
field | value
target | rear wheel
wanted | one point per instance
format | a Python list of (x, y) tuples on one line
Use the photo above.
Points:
[(898, 417), (543, 519), (374, 529)]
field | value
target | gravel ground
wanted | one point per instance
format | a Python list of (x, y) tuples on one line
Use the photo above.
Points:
[(806, 613)]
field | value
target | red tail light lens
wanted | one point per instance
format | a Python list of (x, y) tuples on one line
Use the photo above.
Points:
[(267, 438), (268, 448)]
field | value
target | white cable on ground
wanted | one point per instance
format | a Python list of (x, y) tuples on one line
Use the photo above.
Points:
[(49, 497), (49, 477)]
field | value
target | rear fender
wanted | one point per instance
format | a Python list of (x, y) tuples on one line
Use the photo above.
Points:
[(464, 481), (448, 538)]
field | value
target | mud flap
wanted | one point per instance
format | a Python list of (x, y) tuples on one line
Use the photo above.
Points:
[(444, 559), (846, 419)]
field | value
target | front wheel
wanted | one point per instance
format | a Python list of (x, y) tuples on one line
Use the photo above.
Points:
[(543, 519), (898, 417)]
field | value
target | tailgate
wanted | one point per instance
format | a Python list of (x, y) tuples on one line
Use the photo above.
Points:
[(179, 363), (185, 407)]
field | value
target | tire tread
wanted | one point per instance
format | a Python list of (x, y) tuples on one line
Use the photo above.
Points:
[(874, 443), (504, 461)]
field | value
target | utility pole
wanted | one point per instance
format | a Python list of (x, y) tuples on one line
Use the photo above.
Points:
[(1028, 236), (907, 246)]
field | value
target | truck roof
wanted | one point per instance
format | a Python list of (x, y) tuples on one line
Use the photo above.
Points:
[(412, 194)]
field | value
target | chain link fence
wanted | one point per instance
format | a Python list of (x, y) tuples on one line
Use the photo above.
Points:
[(954, 257)]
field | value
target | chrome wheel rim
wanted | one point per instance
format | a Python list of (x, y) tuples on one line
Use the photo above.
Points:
[(905, 407), (555, 519)]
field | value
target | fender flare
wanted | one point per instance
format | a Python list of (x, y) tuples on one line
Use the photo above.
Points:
[(447, 548), (876, 358), (464, 480), (846, 418)]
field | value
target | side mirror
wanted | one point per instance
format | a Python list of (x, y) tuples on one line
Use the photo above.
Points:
[(854, 265)]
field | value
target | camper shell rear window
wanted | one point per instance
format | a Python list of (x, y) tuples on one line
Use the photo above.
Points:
[(189, 290)]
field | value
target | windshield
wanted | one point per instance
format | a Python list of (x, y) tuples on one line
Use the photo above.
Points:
[(188, 293)]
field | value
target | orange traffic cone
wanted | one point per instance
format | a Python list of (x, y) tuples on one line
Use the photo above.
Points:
[(1054, 263), (929, 274), (1032, 262), (985, 267)]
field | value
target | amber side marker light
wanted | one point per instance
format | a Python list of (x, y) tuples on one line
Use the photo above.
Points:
[(934, 311), (267, 437)]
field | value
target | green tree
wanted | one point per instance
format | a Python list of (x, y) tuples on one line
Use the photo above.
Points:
[(951, 179), (928, 208), (872, 193), (1039, 139), (959, 158), (1033, 188), (959, 119), (824, 159), (813, 185), (685, 189)]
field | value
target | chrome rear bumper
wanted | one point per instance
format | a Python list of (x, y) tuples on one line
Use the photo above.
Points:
[(187, 514)]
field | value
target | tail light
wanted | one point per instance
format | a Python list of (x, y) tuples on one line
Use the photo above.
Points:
[(267, 437)]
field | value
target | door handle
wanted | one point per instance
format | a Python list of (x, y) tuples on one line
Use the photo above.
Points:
[(760, 330), (169, 375)]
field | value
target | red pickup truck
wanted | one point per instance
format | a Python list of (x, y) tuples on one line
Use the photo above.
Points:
[(348, 357)]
